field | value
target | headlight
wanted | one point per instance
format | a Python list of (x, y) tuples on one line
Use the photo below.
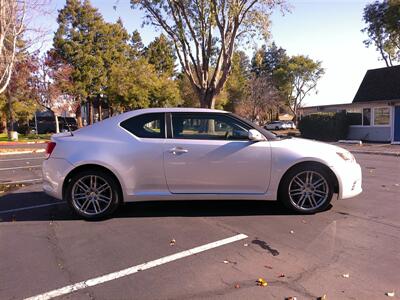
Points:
[(346, 155)]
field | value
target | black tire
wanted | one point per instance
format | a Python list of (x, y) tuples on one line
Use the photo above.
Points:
[(276, 128), (290, 199), (113, 191)]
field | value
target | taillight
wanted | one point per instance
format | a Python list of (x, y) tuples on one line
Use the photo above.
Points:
[(50, 147)]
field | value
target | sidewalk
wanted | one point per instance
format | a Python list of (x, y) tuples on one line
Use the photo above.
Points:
[(371, 148)]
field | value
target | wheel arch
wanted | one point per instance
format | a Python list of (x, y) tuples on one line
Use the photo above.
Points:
[(332, 174), (92, 166)]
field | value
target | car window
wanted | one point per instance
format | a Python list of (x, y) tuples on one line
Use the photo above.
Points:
[(207, 127), (146, 125)]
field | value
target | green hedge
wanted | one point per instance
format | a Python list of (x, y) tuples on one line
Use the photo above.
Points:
[(325, 126)]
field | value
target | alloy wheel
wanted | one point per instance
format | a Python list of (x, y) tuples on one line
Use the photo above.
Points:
[(308, 190), (91, 195)]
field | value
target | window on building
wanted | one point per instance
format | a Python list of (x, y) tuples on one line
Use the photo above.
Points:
[(366, 116), (355, 116), (381, 116)]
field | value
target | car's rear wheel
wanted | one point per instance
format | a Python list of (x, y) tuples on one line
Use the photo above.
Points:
[(306, 189), (93, 194)]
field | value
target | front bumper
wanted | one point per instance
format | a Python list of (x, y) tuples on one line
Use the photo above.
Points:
[(54, 172), (350, 180)]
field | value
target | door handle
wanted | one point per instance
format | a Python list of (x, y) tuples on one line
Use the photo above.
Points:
[(178, 150)]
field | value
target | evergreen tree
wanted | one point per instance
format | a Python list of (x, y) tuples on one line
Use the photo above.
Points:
[(161, 54), (79, 42)]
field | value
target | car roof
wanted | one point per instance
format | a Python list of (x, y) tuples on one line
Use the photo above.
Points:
[(177, 109)]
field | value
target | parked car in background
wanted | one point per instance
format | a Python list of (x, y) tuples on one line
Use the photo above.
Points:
[(276, 125), (290, 125), (192, 154)]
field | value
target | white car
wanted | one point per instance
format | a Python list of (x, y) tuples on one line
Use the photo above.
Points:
[(276, 125), (188, 153)]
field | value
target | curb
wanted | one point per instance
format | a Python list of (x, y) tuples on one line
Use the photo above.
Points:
[(21, 143), (23, 152), (396, 154)]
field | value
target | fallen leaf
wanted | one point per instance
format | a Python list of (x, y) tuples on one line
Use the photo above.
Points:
[(172, 242), (237, 286), (226, 261), (281, 275), (291, 298), (268, 267), (322, 298), (390, 294), (261, 282), (245, 245), (291, 231), (304, 221), (347, 275)]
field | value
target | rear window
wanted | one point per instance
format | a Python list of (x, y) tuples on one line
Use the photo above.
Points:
[(146, 126)]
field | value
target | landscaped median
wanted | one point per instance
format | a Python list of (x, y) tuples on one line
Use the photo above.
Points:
[(25, 145), (24, 138)]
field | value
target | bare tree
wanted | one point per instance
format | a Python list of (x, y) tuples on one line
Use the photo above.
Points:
[(12, 27), (18, 33), (205, 33), (262, 99)]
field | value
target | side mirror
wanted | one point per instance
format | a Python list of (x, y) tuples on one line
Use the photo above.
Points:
[(255, 136)]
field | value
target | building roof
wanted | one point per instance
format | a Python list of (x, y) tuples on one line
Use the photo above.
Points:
[(379, 85)]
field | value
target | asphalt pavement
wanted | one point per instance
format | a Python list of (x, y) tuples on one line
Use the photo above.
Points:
[(350, 251)]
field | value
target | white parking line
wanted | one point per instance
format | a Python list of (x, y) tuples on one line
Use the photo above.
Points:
[(30, 207), (129, 271)]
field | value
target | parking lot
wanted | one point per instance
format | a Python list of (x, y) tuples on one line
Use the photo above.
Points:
[(350, 251)]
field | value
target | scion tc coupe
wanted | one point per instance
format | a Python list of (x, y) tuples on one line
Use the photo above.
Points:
[(192, 154)]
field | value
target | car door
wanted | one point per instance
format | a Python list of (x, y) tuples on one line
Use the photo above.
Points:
[(210, 153)]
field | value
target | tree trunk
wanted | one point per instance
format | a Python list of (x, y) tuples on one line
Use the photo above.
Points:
[(57, 124), (90, 106), (207, 99), (78, 113), (100, 111), (10, 115), (4, 123)]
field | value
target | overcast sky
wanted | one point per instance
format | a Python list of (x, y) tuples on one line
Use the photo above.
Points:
[(325, 30)]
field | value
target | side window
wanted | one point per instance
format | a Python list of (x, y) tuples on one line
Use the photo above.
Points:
[(207, 127), (146, 126)]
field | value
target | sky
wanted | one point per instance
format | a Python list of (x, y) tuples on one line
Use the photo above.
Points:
[(324, 30)]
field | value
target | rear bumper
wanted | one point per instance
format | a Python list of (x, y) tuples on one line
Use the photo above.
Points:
[(350, 180), (54, 172)]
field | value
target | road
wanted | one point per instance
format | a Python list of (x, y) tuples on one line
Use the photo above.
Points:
[(43, 247)]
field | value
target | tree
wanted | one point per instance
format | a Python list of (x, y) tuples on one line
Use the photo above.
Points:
[(262, 96), (265, 63), (18, 101), (78, 41), (205, 33), (161, 54), (297, 79), (267, 60), (12, 27), (383, 29), (236, 86)]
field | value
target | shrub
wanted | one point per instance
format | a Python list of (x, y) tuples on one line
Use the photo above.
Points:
[(325, 126)]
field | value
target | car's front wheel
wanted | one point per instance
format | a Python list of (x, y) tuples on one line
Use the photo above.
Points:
[(93, 194), (306, 189)]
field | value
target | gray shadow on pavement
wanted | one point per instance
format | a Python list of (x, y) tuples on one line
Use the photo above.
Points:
[(148, 209)]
